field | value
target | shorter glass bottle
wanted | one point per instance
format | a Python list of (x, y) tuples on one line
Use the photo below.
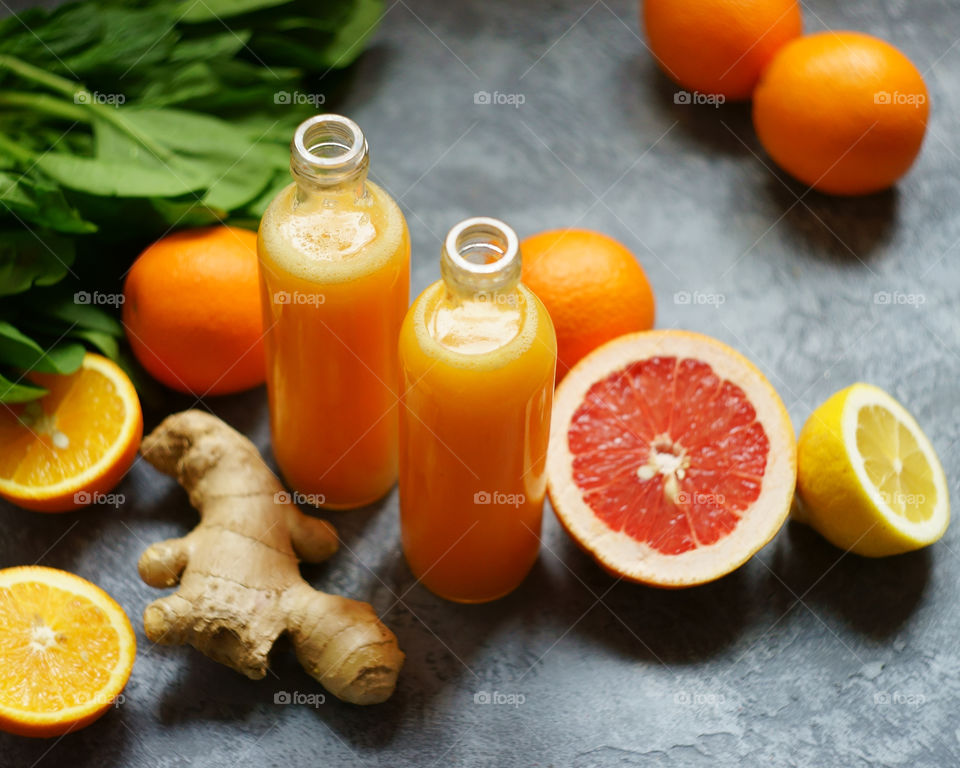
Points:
[(477, 361), (335, 281)]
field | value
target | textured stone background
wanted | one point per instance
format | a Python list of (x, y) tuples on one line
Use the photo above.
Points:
[(804, 656)]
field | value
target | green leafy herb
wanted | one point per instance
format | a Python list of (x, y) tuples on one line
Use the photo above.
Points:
[(121, 120)]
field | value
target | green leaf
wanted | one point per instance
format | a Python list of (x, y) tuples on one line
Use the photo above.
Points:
[(186, 213), (16, 348), (24, 353), (242, 182), (85, 316), (195, 80), (19, 392), (66, 357), (193, 12), (211, 46), (191, 132), (29, 258), (41, 203), (110, 178), (256, 207), (124, 39), (352, 36), (103, 342), (239, 168)]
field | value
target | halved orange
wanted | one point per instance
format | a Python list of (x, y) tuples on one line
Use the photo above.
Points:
[(672, 459), (66, 651), (63, 451)]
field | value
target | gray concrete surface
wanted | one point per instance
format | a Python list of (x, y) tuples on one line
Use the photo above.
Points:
[(804, 656)]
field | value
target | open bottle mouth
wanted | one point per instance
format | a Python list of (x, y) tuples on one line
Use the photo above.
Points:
[(481, 254), (328, 149)]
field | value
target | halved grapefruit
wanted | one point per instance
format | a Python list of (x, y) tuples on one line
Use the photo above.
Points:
[(672, 459)]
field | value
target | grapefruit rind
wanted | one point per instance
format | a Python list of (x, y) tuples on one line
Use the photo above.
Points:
[(26, 722), (637, 561)]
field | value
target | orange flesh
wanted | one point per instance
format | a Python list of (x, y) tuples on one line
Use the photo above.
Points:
[(64, 433), (57, 648), (668, 452)]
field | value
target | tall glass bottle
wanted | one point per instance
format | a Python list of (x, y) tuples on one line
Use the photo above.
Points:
[(335, 278), (477, 359)]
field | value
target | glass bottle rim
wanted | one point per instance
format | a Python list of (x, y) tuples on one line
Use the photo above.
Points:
[(486, 230), (335, 132)]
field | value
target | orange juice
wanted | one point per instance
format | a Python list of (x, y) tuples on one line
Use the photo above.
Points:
[(477, 361), (335, 279)]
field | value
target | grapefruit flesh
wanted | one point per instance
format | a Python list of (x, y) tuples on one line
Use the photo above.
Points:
[(672, 458)]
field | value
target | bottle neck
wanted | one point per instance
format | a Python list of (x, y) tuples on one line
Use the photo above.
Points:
[(480, 260), (329, 154)]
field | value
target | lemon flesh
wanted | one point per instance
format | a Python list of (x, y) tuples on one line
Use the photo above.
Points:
[(868, 479)]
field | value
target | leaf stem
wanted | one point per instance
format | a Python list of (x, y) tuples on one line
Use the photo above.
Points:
[(39, 76), (45, 104), (13, 149), (81, 97)]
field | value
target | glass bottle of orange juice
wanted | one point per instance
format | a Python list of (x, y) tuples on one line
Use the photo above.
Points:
[(335, 279), (477, 359)]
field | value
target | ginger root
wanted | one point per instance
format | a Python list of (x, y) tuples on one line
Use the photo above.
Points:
[(240, 583)]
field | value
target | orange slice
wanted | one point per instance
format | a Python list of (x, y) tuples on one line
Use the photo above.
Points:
[(672, 459), (66, 651), (64, 450)]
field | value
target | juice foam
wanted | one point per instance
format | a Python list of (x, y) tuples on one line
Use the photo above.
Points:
[(323, 243), (483, 336)]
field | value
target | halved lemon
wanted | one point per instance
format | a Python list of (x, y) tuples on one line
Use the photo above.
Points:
[(868, 478), (60, 452), (66, 651)]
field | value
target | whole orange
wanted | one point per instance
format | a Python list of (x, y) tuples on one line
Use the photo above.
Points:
[(719, 46), (192, 311), (843, 112), (592, 286)]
